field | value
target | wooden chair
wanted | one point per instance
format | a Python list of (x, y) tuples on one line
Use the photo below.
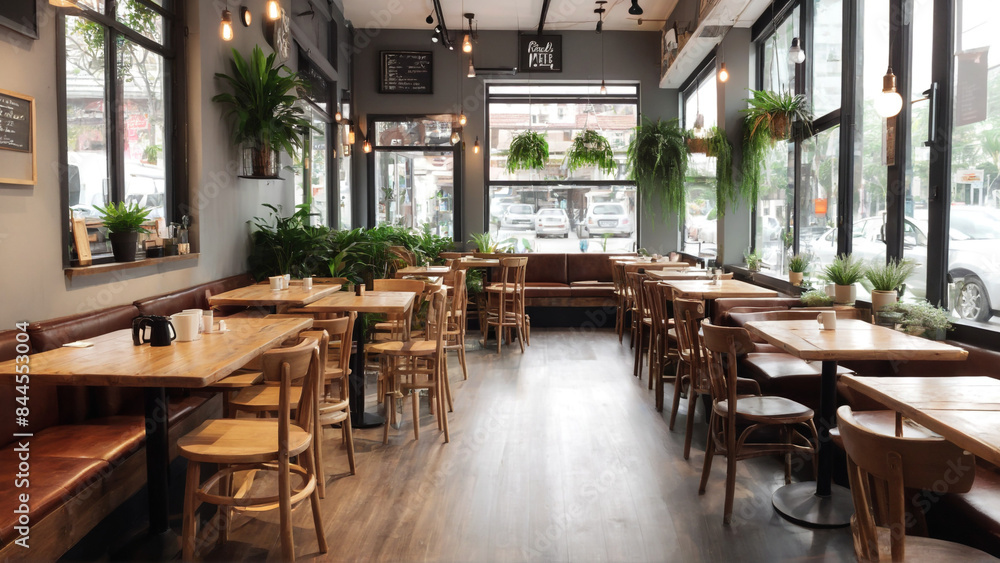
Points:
[(752, 413), (505, 302), (691, 365), (238, 445), (418, 364), (455, 332), (398, 326), (622, 296), (882, 467)]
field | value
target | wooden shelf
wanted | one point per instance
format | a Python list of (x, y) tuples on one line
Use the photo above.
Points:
[(118, 266)]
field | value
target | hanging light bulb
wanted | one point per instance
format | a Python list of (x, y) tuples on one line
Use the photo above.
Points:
[(455, 137), (351, 138), (472, 69), (699, 122), (604, 89), (723, 73), (367, 147), (467, 44), (795, 53), (273, 10), (462, 120), (226, 30), (338, 116), (889, 102), (475, 147)]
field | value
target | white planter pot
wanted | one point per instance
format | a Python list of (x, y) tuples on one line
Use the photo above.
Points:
[(795, 278), (845, 294), (882, 298)]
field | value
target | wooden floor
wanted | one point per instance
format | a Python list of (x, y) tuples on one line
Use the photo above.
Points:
[(556, 455)]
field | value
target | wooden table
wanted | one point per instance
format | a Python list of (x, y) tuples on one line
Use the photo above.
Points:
[(704, 289), (664, 264), (399, 302), (468, 263), (825, 504), (113, 361), (261, 295), (422, 271), (672, 274), (965, 410)]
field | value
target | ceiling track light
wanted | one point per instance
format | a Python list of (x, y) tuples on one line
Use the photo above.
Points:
[(796, 55), (635, 9), (430, 18)]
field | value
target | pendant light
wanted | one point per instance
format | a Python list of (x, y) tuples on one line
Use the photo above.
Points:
[(600, 15), (273, 10), (604, 89), (475, 147), (462, 120), (226, 28), (889, 102), (472, 69), (723, 73), (796, 55), (635, 9), (455, 137), (467, 44), (351, 138), (367, 146), (338, 116)]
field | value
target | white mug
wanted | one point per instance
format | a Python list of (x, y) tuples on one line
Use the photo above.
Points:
[(307, 283), (186, 325), (287, 281), (276, 282), (207, 320), (198, 312), (828, 319)]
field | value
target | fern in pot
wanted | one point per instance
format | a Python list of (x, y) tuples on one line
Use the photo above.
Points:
[(657, 163), (768, 119), (886, 280), (528, 151), (590, 148), (797, 267), (124, 223), (844, 272)]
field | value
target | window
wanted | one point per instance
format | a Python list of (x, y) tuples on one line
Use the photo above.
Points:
[(116, 107), (344, 169), (588, 203), (312, 172), (700, 105)]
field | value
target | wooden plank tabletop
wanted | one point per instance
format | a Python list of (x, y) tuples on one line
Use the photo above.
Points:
[(261, 295), (113, 361), (663, 264), (466, 263), (422, 271), (703, 289), (370, 302), (965, 410), (852, 340), (671, 274)]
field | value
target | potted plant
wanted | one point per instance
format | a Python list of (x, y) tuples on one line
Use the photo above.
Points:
[(657, 162), (886, 280), (528, 151), (816, 298), (921, 319), (590, 148), (766, 121), (797, 267), (844, 272), (754, 259), (262, 107), (124, 223)]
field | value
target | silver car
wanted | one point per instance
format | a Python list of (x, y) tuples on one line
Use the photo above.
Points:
[(518, 216), (552, 222), (608, 219), (973, 255)]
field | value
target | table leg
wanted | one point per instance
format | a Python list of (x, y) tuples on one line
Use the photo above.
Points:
[(360, 418), (821, 504), (157, 458)]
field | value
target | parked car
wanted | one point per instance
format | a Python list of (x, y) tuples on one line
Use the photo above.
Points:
[(518, 216), (552, 222), (608, 219), (973, 255)]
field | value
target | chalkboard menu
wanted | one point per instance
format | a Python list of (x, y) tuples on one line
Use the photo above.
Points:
[(540, 53), (21, 16), (15, 123), (317, 87), (406, 72)]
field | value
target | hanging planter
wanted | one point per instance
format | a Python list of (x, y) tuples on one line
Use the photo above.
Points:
[(698, 145), (528, 151), (657, 163), (590, 148), (768, 120)]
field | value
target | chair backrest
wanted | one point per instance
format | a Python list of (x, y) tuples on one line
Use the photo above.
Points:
[(299, 364), (297, 357), (339, 331), (459, 301), (723, 345), (892, 464), (450, 255), (653, 300), (511, 279), (634, 280), (688, 314), (437, 318)]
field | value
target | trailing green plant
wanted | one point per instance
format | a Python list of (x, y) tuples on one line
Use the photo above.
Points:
[(890, 275), (728, 193), (799, 263), (767, 119), (844, 270), (590, 148), (528, 151), (262, 105), (816, 298), (123, 217), (657, 162), (920, 316), (288, 245), (754, 259)]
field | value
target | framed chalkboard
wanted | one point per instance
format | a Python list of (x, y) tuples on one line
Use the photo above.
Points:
[(406, 72), (540, 53), (21, 16), (17, 138)]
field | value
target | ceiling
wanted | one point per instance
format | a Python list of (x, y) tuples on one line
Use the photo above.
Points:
[(507, 14)]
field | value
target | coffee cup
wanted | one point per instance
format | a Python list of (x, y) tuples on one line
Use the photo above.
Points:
[(276, 282), (186, 325), (197, 312), (307, 283), (207, 320), (287, 281), (828, 319)]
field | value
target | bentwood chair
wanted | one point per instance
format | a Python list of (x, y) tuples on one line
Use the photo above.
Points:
[(736, 417), (691, 367), (457, 305), (883, 467), (505, 302), (260, 445)]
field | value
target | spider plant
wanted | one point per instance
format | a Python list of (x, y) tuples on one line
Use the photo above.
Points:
[(798, 263), (767, 120), (845, 270), (590, 148), (728, 193), (657, 163), (889, 276), (528, 151)]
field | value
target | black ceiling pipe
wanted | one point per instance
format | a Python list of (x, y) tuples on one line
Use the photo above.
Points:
[(445, 37), (541, 20)]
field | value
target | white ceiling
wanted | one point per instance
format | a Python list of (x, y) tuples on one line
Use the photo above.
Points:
[(507, 14)]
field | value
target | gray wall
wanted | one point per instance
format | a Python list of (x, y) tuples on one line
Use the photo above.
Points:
[(630, 56), (734, 229)]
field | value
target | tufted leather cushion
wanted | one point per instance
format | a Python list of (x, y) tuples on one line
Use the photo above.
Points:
[(544, 289), (53, 480), (586, 267), (720, 311), (786, 376)]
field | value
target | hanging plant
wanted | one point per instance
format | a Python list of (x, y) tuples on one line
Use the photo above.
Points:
[(590, 148), (528, 151), (768, 120), (697, 145), (657, 163), (728, 193)]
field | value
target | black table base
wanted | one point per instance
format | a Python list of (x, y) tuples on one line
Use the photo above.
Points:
[(360, 418)]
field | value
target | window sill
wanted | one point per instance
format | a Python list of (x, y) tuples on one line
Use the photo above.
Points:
[(770, 280), (118, 266)]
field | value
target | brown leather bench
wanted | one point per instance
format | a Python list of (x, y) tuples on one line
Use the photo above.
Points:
[(567, 280), (193, 297)]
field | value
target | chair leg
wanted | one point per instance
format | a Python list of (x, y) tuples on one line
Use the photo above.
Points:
[(727, 515), (318, 457), (447, 385), (285, 510), (444, 418), (314, 501), (349, 434), (461, 357), (189, 532), (225, 514), (415, 399), (692, 403), (678, 384), (387, 401), (706, 469)]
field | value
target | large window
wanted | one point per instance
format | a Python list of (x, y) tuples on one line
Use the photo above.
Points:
[(116, 108), (557, 209), (700, 111), (311, 170)]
